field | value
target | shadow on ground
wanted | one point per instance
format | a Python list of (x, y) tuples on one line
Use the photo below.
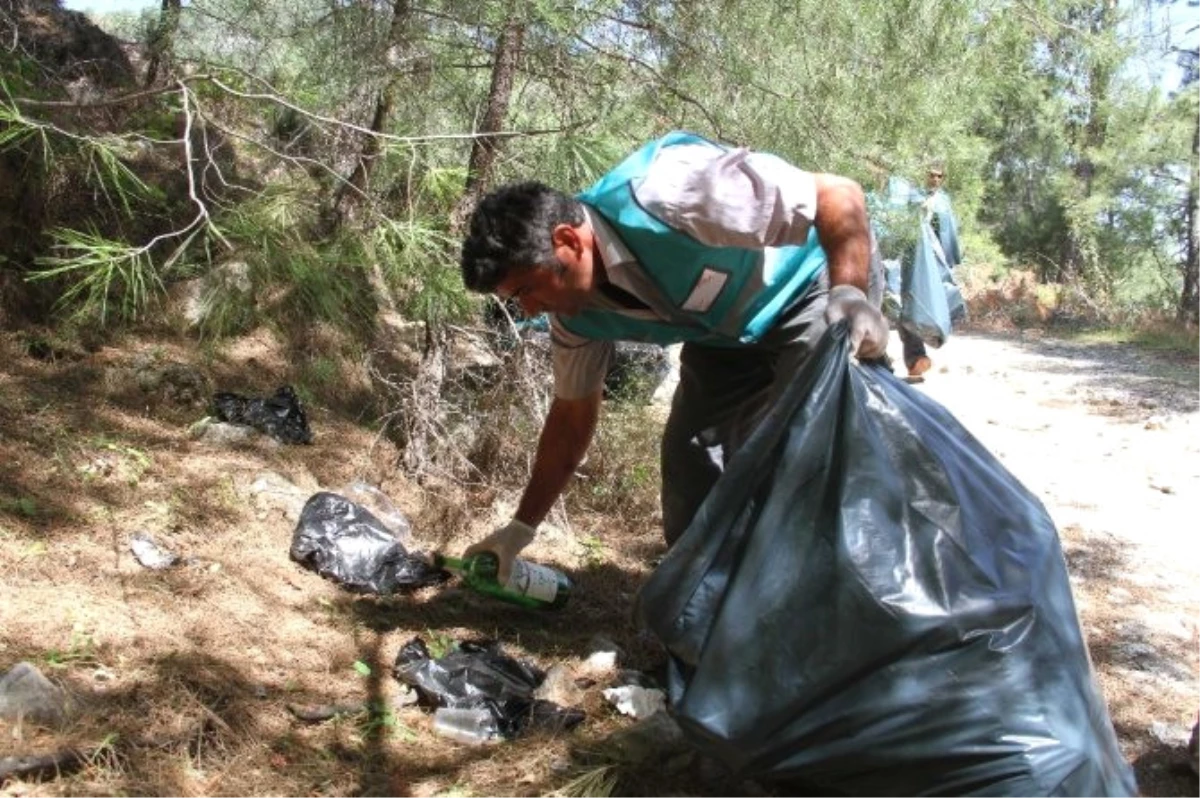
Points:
[(1146, 378)]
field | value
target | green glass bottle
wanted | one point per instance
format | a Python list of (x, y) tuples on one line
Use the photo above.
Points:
[(530, 585)]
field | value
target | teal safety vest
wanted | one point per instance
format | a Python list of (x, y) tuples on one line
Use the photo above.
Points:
[(718, 295)]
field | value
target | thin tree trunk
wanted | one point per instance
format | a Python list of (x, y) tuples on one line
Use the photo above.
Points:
[(485, 146), (163, 38), (349, 196), (1189, 299), (1094, 134)]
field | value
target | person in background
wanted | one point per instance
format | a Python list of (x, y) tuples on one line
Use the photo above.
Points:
[(935, 211), (916, 358), (740, 255)]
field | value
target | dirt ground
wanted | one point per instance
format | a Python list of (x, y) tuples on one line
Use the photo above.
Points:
[(183, 677), (1108, 435)]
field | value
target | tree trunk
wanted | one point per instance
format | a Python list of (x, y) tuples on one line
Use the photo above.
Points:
[(1189, 299), (349, 196), (162, 39), (1094, 133), (486, 146)]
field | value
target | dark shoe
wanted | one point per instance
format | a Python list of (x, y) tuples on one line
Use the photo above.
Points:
[(919, 366)]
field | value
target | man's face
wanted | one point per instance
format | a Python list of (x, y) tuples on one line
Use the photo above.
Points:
[(935, 179), (564, 288)]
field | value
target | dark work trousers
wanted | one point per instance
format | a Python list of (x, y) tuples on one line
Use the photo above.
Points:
[(723, 393), (914, 347)]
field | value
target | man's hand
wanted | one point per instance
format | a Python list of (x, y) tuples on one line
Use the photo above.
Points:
[(506, 543), (868, 328)]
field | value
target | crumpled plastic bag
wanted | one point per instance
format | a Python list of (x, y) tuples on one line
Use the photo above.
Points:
[(342, 541), (279, 416), (478, 675)]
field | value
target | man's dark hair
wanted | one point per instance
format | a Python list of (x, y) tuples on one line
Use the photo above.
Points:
[(510, 228)]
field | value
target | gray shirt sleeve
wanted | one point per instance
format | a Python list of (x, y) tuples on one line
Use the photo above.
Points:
[(730, 197), (579, 363)]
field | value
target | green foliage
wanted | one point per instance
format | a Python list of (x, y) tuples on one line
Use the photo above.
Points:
[(24, 506), (621, 475), (100, 275), (1054, 154), (417, 260)]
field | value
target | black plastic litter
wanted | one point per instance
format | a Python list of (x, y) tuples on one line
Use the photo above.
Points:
[(478, 675), (870, 603), (279, 416), (344, 542)]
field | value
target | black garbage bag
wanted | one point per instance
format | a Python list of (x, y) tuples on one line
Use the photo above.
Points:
[(868, 602), (479, 675), (344, 542), (279, 416)]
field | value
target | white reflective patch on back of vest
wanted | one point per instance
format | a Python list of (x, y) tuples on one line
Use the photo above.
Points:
[(706, 291)]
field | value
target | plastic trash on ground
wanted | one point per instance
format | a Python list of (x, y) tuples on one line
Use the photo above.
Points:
[(279, 416), (479, 676), (342, 541), (870, 603), (467, 726), (635, 700), (379, 505)]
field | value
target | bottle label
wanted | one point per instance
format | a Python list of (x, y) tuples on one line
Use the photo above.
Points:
[(533, 580)]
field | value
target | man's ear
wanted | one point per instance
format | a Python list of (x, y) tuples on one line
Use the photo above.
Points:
[(566, 236)]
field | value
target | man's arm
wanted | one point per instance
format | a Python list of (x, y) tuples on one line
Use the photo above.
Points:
[(566, 434), (843, 230)]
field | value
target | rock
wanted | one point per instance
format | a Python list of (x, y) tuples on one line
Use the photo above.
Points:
[(1193, 749), (1169, 733), (70, 45), (171, 380), (220, 433), (658, 738), (603, 654), (195, 300), (405, 696), (1144, 660), (636, 701), (27, 695), (559, 686), (601, 661), (270, 491), (150, 554)]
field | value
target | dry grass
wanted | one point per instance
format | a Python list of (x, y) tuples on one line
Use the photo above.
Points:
[(185, 675)]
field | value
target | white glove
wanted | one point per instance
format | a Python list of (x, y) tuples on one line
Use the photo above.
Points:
[(868, 328), (506, 543)]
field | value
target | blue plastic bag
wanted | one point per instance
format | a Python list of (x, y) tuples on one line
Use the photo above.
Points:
[(927, 290)]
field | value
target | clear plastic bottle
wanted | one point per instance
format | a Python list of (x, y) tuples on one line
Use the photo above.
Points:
[(469, 726), (380, 506), (530, 585)]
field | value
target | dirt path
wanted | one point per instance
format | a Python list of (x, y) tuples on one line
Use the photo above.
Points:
[(1107, 436)]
